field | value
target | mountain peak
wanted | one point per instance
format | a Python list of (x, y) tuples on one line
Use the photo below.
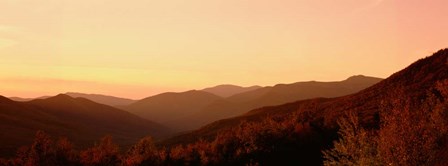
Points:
[(171, 106), (4, 99), (62, 96), (357, 77), (74, 94), (362, 79), (226, 85), (227, 90), (102, 99)]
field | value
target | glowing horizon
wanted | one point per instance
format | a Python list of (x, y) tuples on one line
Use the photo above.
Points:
[(140, 48)]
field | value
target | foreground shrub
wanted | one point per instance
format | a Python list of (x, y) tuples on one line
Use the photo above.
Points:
[(103, 154), (356, 146), (144, 153)]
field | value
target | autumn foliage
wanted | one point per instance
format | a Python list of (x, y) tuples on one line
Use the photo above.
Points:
[(44, 151), (411, 133), (104, 153), (244, 144)]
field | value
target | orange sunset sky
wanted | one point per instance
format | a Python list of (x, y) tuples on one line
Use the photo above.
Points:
[(138, 48)]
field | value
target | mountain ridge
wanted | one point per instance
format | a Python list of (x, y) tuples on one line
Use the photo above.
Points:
[(81, 120), (103, 99), (170, 106), (275, 95), (319, 115), (227, 90), (98, 98)]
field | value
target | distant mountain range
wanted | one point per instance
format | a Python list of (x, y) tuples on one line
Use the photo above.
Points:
[(171, 106), (278, 94), (102, 99), (192, 109), (228, 90), (86, 117), (81, 120), (27, 99), (319, 115)]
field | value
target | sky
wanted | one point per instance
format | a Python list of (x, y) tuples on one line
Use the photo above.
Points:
[(138, 48)]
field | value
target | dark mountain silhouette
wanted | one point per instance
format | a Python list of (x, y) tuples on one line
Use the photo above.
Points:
[(268, 96), (318, 116), (228, 90), (283, 93), (167, 107), (27, 99), (98, 98), (81, 120), (103, 99), (20, 99)]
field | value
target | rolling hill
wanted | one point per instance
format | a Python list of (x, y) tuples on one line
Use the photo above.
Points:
[(167, 107), (21, 99), (103, 99), (268, 96), (415, 84), (81, 120), (228, 90)]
